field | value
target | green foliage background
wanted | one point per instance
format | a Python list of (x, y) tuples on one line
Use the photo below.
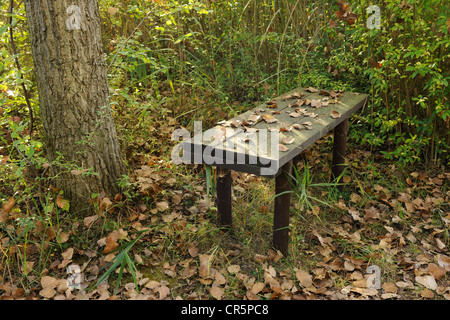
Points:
[(206, 60)]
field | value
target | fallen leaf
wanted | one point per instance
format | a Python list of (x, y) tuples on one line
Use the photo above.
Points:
[(311, 89), (346, 179), (219, 279), (62, 203), (365, 291), (260, 258), (8, 205), (67, 255), (304, 277), (427, 293), (269, 119), (335, 114), (253, 118), (163, 291), (286, 140), (234, 268), (204, 268), (88, 221), (257, 287), (427, 281), (444, 262), (111, 244), (47, 292), (307, 125), (297, 95), (436, 271), (390, 287), (316, 103), (282, 148), (162, 206), (439, 243), (216, 292), (49, 282), (295, 115), (106, 205), (193, 250)]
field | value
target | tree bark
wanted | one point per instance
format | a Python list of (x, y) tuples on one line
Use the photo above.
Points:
[(73, 92)]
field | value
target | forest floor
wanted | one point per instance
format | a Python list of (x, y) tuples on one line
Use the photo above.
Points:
[(386, 236)]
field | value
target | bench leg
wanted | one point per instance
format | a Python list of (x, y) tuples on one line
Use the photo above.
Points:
[(224, 197), (282, 206), (339, 150)]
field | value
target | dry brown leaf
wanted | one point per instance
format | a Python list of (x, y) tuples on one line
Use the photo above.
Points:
[(162, 206), (204, 268), (390, 287), (444, 262), (234, 268), (436, 271), (365, 291), (297, 95), (152, 284), (88, 221), (282, 148), (427, 293), (295, 115), (188, 272), (253, 118), (286, 140), (64, 237), (67, 255), (163, 291), (269, 119), (260, 258), (193, 250), (8, 205), (216, 292), (439, 243), (219, 279), (427, 281), (311, 89), (251, 296), (316, 103), (111, 240), (304, 277), (49, 282), (307, 125), (47, 292), (62, 203), (335, 114), (257, 287)]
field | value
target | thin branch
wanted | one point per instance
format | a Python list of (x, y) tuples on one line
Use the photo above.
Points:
[(19, 69)]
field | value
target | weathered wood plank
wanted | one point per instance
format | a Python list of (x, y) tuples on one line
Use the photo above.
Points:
[(246, 156)]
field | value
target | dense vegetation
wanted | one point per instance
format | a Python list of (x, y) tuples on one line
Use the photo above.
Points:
[(173, 62)]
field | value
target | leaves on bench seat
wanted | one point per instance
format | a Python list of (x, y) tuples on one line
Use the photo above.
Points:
[(268, 118)]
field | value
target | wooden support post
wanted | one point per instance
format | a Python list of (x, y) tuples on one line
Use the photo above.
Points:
[(339, 150), (282, 206), (224, 206)]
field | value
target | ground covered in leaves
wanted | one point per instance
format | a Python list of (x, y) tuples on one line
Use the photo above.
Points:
[(386, 236)]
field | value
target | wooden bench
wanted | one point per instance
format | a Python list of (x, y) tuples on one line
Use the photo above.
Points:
[(265, 140)]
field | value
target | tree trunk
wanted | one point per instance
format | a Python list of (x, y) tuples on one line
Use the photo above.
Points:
[(73, 92)]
